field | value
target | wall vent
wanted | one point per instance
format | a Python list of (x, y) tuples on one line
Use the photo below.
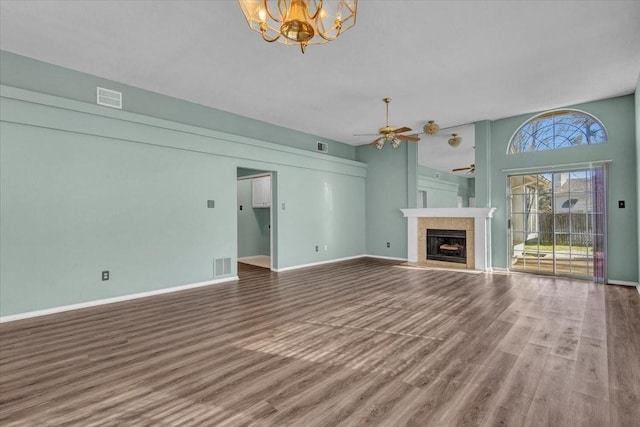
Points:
[(109, 98), (222, 267), (322, 147)]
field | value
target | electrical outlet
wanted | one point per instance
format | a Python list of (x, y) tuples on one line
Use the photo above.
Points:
[(317, 248), (211, 203), (388, 244), (326, 248), (240, 207), (105, 275), (284, 206)]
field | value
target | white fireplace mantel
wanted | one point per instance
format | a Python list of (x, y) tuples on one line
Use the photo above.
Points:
[(482, 234)]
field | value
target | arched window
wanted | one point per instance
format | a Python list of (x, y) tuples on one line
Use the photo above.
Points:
[(557, 129)]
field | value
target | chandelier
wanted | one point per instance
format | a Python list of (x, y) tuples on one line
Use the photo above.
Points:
[(431, 128), (302, 22), (455, 140)]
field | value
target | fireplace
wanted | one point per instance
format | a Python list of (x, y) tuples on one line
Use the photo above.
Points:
[(447, 245), (475, 221)]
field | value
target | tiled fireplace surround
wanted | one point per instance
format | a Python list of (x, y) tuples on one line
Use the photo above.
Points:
[(465, 224), (475, 221)]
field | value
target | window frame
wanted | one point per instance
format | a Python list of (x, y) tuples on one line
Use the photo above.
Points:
[(554, 112)]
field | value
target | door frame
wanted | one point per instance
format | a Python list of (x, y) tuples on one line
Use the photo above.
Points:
[(566, 168), (273, 216)]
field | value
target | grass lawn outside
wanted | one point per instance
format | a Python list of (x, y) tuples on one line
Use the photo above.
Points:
[(565, 249)]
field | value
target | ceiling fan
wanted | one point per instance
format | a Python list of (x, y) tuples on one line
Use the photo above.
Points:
[(471, 169), (393, 135)]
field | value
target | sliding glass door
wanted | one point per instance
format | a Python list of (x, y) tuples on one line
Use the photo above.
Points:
[(557, 223)]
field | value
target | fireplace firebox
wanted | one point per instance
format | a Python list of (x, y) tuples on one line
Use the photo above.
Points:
[(447, 245)]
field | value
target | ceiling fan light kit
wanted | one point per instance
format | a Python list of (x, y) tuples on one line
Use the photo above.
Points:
[(301, 22), (455, 140)]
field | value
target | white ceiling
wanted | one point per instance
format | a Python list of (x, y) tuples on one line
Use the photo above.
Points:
[(456, 62)]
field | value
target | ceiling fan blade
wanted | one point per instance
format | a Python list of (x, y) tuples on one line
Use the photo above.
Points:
[(402, 129), (365, 134), (408, 138), (471, 167)]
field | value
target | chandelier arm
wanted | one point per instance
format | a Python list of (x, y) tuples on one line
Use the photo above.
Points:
[(318, 9), (337, 25), (265, 4), (328, 38), (281, 11), (265, 38)]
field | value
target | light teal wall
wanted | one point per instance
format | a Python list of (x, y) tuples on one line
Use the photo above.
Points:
[(321, 209), (387, 191), (483, 162), (438, 194), (254, 235), (467, 190), (617, 115), (26, 73), (412, 175), (86, 188), (465, 186)]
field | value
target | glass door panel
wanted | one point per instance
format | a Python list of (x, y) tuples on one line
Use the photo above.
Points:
[(557, 223)]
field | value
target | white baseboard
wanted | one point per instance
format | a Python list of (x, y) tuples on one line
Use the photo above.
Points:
[(104, 301), (295, 267), (244, 258), (622, 283), (386, 257)]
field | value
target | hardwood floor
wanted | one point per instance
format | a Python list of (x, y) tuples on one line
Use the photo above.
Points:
[(362, 342)]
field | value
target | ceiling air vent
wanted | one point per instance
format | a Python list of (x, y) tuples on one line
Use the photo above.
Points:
[(322, 147), (109, 98)]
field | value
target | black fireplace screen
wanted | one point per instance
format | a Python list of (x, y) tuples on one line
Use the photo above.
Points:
[(447, 245)]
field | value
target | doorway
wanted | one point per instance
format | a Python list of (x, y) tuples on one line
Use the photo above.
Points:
[(557, 223), (255, 217)]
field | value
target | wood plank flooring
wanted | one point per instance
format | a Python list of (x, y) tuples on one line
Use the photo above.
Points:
[(357, 343)]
